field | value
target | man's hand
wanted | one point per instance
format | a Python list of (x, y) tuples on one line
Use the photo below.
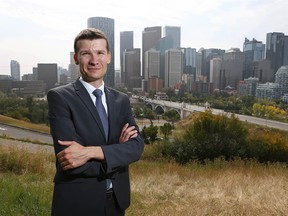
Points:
[(127, 133), (75, 155)]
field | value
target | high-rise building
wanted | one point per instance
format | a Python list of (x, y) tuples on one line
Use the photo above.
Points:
[(190, 56), (207, 55), (107, 26), (74, 70), (35, 73), (152, 64), (132, 68), (199, 61), (48, 73), (231, 69), (277, 50), (150, 36), (162, 45), (174, 32), (189, 61), (126, 42), (15, 70), (262, 70), (253, 51), (173, 68), (215, 72)]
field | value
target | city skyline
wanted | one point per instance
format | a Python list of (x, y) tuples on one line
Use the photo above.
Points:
[(36, 31)]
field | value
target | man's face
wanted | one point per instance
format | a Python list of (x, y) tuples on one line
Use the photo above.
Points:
[(93, 58)]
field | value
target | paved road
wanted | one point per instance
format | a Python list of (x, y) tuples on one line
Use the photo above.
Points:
[(25, 134)]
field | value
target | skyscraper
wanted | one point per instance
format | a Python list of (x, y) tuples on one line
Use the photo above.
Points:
[(152, 63), (132, 68), (173, 67), (231, 69), (253, 51), (162, 45), (150, 36), (107, 26), (174, 32), (126, 42), (15, 70), (207, 56), (277, 50)]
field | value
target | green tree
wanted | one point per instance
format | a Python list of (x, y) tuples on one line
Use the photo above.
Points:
[(166, 130), (149, 114), (149, 133), (137, 111), (171, 115)]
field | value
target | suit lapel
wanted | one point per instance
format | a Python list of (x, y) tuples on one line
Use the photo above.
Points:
[(86, 99), (112, 110)]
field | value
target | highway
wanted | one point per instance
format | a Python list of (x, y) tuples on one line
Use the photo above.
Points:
[(264, 122), (20, 133)]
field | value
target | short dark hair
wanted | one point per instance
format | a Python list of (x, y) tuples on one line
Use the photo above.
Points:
[(90, 34)]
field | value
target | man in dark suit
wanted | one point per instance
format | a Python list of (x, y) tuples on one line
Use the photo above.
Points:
[(92, 175)]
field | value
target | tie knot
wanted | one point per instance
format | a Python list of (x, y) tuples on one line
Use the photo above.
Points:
[(97, 93)]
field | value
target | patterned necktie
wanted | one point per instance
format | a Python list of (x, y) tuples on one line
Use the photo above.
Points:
[(101, 111)]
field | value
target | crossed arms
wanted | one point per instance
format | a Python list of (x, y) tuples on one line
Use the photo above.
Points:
[(75, 155)]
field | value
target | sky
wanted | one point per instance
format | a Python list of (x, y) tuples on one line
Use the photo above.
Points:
[(41, 31)]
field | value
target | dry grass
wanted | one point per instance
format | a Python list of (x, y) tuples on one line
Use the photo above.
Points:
[(159, 187), (223, 189)]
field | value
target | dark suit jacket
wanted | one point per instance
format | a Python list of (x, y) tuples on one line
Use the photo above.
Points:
[(73, 116)]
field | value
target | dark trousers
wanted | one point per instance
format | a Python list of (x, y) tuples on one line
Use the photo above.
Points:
[(112, 208)]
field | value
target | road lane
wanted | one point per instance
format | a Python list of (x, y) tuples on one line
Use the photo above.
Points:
[(20, 133)]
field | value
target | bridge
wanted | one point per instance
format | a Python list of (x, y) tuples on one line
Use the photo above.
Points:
[(185, 110)]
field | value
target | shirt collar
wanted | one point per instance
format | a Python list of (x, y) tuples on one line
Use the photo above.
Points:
[(91, 88)]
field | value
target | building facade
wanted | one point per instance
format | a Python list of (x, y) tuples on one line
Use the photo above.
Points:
[(281, 78), (231, 69), (152, 64), (173, 68), (173, 32), (277, 50), (15, 70), (126, 42), (132, 68), (48, 74), (150, 37), (253, 51)]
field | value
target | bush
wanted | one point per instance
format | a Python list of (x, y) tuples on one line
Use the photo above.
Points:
[(208, 137)]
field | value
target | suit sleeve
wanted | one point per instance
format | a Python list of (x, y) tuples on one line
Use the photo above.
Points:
[(121, 155), (62, 128)]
